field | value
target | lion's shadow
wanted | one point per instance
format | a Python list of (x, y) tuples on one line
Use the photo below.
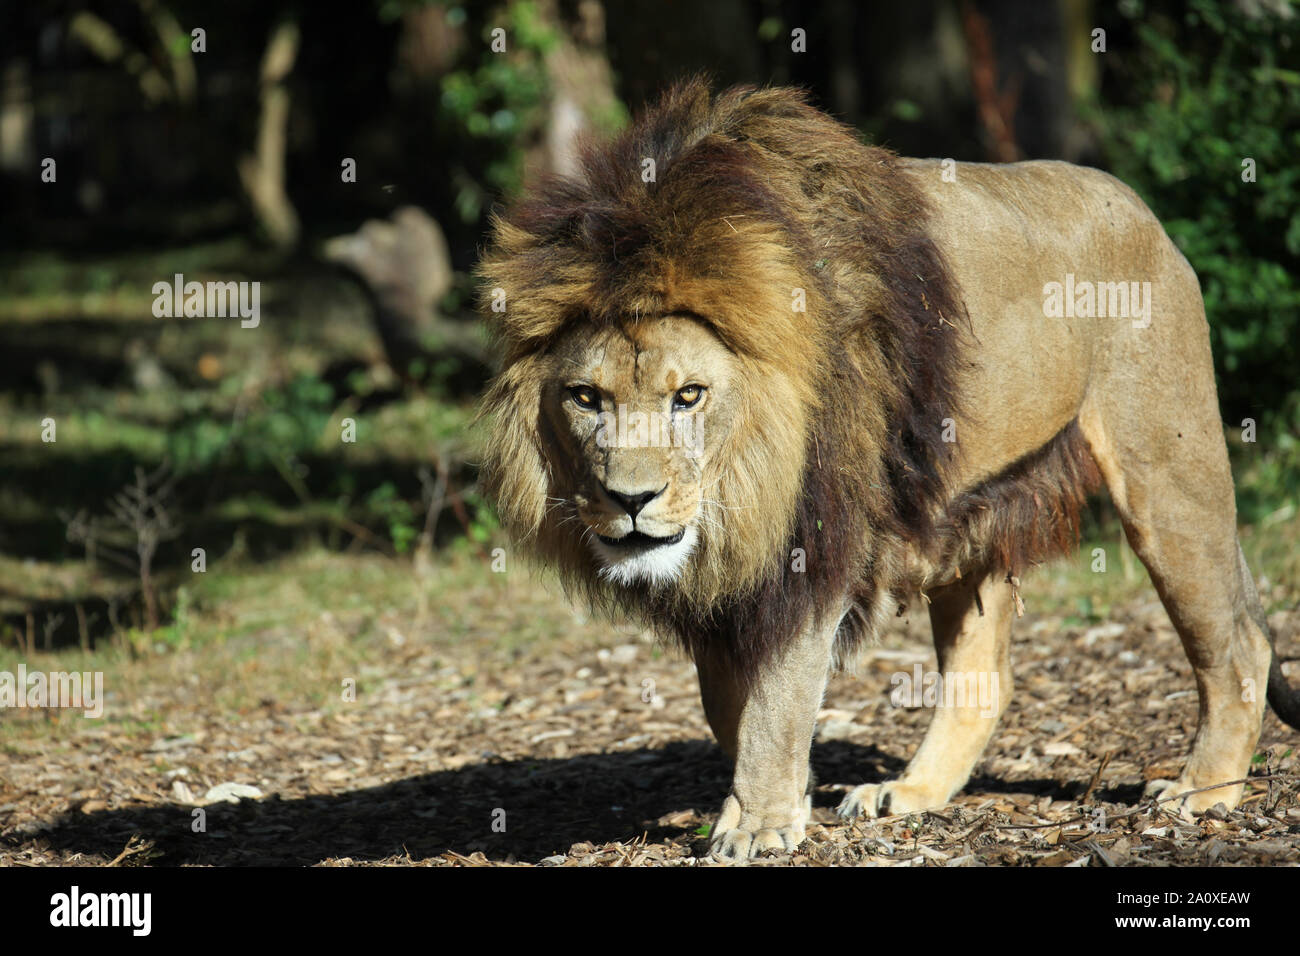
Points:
[(523, 810)]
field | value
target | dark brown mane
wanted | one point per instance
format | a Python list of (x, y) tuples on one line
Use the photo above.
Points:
[(1025, 514), (876, 353)]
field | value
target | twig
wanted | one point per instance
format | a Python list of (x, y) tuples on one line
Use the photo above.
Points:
[(131, 849), (1144, 807), (435, 499), (1077, 727), (1101, 768), (1231, 783), (361, 531), (83, 628)]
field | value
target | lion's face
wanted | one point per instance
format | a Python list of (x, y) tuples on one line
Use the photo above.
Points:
[(638, 413)]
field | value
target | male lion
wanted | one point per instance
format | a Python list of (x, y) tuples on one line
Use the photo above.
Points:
[(762, 384)]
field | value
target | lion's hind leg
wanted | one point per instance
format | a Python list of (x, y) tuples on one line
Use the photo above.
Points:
[(972, 636), (1165, 464)]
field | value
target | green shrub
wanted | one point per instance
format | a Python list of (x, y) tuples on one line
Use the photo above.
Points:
[(395, 512), (1205, 90), (282, 423), (491, 106)]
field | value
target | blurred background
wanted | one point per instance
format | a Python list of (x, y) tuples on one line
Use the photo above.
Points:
[(348, 162)]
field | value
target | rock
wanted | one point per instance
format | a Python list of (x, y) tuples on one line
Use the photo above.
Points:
[(181, 792), (232, 793), (1060, 748), (835, 730), (1102, 632)]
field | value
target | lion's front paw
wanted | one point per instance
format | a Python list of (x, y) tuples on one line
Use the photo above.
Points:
[(1193, 803), (887, 799), (739, 835)]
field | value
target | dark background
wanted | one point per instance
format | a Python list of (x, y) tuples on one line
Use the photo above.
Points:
[(218, 166)]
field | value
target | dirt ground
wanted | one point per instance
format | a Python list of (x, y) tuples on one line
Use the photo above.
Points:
[(591, 749)]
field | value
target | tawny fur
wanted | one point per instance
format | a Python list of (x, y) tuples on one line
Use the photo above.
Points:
[(924, 313), (756, 194)]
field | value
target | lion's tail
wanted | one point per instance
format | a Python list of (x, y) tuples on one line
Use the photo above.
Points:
[(1282, 697)]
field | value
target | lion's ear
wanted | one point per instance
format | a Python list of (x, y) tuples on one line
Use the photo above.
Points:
[(515, 474)]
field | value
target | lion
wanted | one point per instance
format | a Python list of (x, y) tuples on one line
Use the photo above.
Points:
[(763, 384)]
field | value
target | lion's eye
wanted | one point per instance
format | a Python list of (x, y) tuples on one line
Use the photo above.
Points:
[(688, 397), (585, 396)]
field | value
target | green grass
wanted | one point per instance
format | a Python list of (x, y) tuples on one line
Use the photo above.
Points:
[(289, 630), (1071, 587), (40, 286)]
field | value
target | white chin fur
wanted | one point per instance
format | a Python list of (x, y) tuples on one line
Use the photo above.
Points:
[(660, 565)]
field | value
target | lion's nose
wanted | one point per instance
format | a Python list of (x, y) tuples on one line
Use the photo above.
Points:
[(633, 504)]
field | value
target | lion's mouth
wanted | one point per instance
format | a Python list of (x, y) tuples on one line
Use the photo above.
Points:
[(639, 539)]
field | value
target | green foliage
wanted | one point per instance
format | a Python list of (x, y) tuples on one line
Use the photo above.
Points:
[(906, 110), (483, 518), (492, 106), (175, 635), (769, 28), (1205, 91), (1086, 613), (483, 523), (1268, 479), (396, 512), (283, 422)]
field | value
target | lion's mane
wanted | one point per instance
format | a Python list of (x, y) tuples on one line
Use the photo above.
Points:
[(838, 448)]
